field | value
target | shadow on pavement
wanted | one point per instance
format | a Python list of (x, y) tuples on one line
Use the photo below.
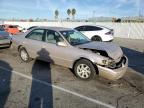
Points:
[(5, 83), (41, 95), (136, 59)]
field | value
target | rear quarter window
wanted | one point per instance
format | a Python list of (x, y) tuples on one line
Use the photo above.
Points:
[(12, 26), (36, 34)]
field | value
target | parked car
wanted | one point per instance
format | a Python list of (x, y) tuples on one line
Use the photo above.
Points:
[(96, 33), (25, 30), (31, 27), (12, 29), (21, 29), (72, 49), (1, 27), (5, 39)]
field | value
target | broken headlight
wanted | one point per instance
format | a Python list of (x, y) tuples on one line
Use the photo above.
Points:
[(109, 62)]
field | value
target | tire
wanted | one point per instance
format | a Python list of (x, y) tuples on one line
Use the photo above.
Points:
[(84, 69), (24, 55), (96, 38)]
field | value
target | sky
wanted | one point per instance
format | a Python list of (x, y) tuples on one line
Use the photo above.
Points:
[(84, 8)]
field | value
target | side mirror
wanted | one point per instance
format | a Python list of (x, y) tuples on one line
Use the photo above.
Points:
[(63, 44)]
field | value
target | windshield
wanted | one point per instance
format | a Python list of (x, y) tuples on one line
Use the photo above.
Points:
[(74, 37)]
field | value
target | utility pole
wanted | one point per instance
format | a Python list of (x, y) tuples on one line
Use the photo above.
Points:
[(139, 8)]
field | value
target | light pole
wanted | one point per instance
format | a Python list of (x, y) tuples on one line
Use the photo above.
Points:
[(93, 16)]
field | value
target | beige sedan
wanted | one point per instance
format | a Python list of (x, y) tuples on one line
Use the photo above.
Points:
[(70, 48)]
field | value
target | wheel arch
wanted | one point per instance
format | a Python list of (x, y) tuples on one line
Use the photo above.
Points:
[(96, 68), (97, 36), (20, 46)]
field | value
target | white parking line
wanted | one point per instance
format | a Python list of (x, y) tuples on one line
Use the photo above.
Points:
[(61, 89)]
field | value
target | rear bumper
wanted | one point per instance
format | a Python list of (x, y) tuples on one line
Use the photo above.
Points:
[(107, 38), (113, 74)]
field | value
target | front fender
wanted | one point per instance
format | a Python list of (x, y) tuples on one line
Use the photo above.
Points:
[(94, 58)]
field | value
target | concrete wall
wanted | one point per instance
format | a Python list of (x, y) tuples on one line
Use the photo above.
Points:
[(123, 30)]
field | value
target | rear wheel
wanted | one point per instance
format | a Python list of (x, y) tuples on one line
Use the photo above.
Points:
[(84, 69), (24, 55), (96, 38)]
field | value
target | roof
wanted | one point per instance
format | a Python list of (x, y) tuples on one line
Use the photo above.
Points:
[(54, 28)]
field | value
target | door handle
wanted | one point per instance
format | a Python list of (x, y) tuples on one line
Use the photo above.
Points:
[(23, 42)]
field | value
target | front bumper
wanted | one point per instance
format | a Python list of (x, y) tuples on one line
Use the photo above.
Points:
[(113, 74)]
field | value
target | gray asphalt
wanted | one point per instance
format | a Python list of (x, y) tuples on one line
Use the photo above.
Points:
[(40, 85)]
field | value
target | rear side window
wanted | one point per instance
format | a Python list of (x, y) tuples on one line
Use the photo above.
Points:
[(36, 35), (92, 28), (81, 28)]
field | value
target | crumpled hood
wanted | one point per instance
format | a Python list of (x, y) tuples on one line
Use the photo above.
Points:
[(113, 50)]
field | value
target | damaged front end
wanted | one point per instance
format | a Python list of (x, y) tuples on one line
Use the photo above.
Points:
[(112, 69), (109, 59), (115, 70), (109, 62), (116, 65)]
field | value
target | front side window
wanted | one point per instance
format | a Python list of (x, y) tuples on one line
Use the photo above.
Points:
[(74, 37), (53, 37), (36, 35)]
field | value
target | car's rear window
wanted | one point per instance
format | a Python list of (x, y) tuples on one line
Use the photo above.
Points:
[(12, 26)]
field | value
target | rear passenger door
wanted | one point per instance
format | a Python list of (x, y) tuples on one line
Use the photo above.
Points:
[(33, 42)]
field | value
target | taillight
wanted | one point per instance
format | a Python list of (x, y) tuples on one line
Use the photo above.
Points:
[(109, 33)]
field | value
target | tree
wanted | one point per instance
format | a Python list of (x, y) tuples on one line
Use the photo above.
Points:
[(73, 13), (118, 20), (56, 14), (31, 20), (113, 19), (69, 12)]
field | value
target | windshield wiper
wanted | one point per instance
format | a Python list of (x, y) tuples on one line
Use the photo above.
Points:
[(80, 43)]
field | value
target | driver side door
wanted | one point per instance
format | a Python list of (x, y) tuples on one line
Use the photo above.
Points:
[(59, 55)]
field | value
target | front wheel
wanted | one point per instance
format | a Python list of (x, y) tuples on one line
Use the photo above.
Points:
[(84, 70), (24, 55)]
